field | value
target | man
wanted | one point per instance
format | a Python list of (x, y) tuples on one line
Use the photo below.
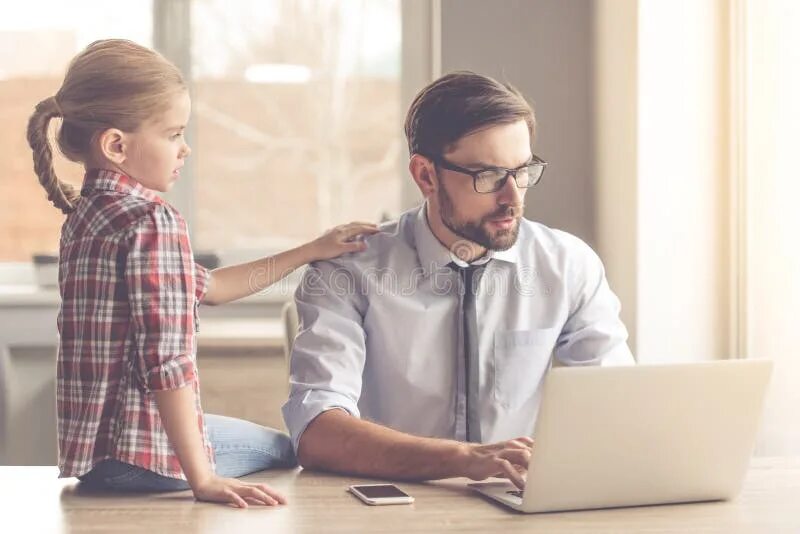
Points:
[(423, 357)]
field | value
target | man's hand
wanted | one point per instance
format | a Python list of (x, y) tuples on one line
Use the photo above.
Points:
[(506, 459), (336, 441)]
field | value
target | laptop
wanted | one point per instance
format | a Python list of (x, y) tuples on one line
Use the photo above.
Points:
[(640, 435)]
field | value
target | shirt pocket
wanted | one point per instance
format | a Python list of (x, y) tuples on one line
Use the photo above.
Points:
[(521, 358)]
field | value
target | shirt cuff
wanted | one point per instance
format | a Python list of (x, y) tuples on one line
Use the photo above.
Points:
[(172, 374), (301, 409), (201, 277)]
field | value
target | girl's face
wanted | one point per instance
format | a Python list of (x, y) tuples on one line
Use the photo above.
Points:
[(156, 152)]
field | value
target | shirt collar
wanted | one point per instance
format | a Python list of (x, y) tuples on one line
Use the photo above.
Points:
[(433, 255), (106, 180), (511, 254)]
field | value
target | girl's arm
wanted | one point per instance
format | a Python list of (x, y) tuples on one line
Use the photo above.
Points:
[(227, 284), (177, 410), (159, 276)]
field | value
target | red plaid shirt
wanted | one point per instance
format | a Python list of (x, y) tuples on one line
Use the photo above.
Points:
[(129, 295)]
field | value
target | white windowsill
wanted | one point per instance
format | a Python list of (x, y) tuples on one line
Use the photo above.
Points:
[(18, 286)]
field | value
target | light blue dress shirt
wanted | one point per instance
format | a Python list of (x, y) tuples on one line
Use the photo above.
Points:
[(380, 331)]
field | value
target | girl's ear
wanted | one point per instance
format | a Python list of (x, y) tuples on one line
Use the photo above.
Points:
[(112, 144), (424, 174)]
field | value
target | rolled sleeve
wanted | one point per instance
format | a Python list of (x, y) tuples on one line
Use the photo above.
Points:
[(594, 333), (161, 283), (301, 409), (201, 278), (328, 354), (171, 374)]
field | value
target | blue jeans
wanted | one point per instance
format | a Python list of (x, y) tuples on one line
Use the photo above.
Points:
[(240, 448)]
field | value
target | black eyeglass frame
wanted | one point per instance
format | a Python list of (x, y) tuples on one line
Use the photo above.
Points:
[(536, 161)]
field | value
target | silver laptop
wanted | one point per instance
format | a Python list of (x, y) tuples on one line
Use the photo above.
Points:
[(637, 435)]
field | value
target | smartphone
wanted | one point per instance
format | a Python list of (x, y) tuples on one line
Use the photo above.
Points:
[(377, 494)]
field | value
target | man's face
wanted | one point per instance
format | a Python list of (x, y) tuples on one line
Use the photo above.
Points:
[(489, 219)]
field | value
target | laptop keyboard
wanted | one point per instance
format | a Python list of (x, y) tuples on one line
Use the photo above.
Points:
[(517, 493)]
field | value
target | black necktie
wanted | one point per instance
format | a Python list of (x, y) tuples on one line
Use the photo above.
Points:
[(470, 278)]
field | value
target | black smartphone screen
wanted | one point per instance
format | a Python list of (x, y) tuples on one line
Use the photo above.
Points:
[(381, 491)]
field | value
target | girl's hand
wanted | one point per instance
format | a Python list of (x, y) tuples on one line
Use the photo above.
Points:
[(340, 240), (236, 492)]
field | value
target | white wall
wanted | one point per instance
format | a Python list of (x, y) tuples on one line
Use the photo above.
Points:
[(543, 47), (682, 193), (627, 96), (771, 280), (664, 198), (616, 131)]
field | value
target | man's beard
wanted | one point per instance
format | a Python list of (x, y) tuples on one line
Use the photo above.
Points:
[(475, 231)]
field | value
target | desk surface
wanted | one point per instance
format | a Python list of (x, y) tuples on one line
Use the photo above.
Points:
[(33, 500)]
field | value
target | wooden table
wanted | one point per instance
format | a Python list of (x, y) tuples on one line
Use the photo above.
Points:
[(33, 500)]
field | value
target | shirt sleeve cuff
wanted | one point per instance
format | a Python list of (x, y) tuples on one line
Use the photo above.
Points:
[(300, 410), (172, 374), (201, 277)]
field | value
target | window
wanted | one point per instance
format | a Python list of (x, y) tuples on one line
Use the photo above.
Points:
[(42, 36), (296, 122), (297, 119)]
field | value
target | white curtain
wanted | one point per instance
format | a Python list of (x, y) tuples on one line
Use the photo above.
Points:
[(771, 193)]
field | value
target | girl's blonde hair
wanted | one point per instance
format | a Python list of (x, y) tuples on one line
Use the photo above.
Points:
[(113, 83)]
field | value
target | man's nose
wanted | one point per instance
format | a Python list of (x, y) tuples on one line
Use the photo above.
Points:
[(510, 193)]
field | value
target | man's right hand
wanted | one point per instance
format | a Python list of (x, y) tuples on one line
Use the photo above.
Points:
[(506, 459), (336, 441)]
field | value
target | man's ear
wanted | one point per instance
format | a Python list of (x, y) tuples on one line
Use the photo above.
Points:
[(424, 173), (112, 144)]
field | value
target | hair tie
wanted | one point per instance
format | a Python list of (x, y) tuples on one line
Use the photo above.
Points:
[(56, 105)]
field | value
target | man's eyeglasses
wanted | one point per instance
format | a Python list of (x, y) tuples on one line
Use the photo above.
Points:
[(493, 179)]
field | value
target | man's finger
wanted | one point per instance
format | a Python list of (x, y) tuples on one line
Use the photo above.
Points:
[(510, 473), (517, 456), (519, 444)]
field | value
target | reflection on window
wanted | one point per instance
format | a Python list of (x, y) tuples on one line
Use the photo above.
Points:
[(297, 118)]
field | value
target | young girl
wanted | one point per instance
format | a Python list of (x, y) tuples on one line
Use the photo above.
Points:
[(129, 414)]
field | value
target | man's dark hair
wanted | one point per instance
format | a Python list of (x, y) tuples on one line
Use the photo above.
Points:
[(458, 104)]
